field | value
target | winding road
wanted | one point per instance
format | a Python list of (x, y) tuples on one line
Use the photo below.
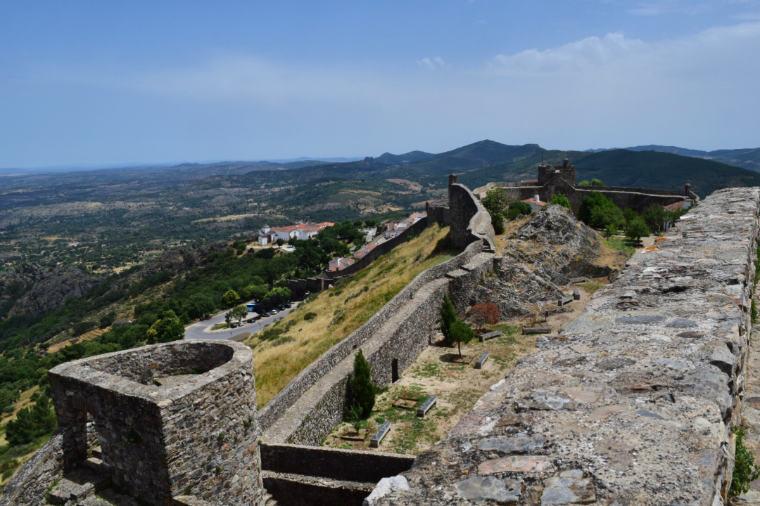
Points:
[(202, 329)]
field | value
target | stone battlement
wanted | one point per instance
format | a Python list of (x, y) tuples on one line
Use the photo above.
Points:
[(635, 401)]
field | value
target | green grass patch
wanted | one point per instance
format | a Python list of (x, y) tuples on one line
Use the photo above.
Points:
[(620, 244)]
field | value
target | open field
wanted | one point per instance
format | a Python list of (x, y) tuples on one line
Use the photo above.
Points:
[(283, 350)]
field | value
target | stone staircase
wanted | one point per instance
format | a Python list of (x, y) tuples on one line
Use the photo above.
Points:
[(326, 476)]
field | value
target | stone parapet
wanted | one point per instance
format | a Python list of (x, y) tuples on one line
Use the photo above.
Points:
[(635, 401)]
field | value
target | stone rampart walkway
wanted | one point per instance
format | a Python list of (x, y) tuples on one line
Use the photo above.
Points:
[(635, 402)]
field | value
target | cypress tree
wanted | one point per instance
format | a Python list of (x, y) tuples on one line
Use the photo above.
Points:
[(448, 317), (361, 391)]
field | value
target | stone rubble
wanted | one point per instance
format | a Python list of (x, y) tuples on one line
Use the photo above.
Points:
[(633, 404)]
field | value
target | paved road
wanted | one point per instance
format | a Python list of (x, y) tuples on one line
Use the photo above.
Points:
[(202, 329)]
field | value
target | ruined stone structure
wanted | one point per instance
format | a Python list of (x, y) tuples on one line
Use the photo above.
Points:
[(173, 424), (635, 402), (553, 180)]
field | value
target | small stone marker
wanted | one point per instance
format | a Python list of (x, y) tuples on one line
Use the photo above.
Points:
[(489, 335), (564, 301), (536, 330), (427, 405), (576, 294), (481, 360), (383, 431)]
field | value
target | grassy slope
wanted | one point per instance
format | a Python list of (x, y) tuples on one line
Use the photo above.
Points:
[(282, 351)]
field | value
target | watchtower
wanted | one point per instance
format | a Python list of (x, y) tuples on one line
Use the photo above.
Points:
[(173, 420), (548, 174)]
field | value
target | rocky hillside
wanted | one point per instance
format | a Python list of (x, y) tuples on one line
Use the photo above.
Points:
[(540, 255)]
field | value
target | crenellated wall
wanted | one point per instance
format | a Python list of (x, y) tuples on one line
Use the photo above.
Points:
[(634, 402)]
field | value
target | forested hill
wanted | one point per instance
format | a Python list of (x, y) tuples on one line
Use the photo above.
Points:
[(744, 158), (662, 170)]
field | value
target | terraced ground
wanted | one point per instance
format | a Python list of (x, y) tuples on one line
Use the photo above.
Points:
[(286, 348)]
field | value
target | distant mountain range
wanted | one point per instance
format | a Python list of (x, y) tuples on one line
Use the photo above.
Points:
[(487, 160), (745, 158)]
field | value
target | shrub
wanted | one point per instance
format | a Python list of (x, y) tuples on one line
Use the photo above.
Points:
[(497, 221), (309, 316), (635, 229), (518, 209), (560, 200), (486, 312), (745, 469), (360, 395)]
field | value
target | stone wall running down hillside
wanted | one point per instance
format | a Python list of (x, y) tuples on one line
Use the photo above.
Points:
[(307, 409), (635, 402)]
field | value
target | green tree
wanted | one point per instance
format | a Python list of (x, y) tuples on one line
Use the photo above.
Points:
[(448, 317), (597, 183), (236, 313), (560, 200), (656, 217), (598, 211), (461, 333), (230, 298), (496, 201), (360, 390), (31, 423), (635, 229), (165, 329)]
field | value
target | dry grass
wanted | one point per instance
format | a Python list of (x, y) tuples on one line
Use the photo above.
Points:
[(287, 347), (457, 384), (87, 336)]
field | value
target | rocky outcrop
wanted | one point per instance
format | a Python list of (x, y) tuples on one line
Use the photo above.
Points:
[(635, 402), (45, 289), (551, 248)]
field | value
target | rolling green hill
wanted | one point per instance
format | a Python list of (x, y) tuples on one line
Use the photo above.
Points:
[(744, 158), (652, 169)]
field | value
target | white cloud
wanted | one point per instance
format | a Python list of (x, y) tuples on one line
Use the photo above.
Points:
[(434, 63), (579, 55)]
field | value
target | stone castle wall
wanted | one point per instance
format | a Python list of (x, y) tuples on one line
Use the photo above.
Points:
[(637, 199), (635, 401), (312, 404), (309, 376), (381, 249)]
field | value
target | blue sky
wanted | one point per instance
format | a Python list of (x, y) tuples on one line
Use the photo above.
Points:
[(98, 83)]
